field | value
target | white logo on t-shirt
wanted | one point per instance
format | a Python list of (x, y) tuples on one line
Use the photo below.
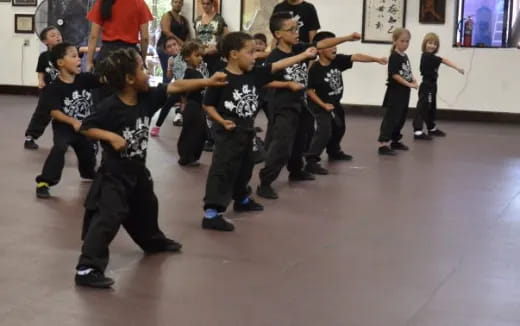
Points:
[(297, 73), (406, 71), (244, 103), (136, 139), (51, 71), (333, 78), (79, 105)]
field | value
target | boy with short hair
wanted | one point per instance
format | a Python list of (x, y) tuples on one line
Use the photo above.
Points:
[(293, 123), (50, 36), (325, 93), (69, 101)]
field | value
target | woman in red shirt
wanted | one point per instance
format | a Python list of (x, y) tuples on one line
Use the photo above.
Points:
[(122, 23)]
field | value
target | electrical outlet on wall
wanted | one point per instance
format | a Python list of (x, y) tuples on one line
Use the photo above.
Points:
[(26, 42)]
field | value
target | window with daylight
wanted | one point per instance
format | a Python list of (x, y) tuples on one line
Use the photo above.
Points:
[(488, 23)]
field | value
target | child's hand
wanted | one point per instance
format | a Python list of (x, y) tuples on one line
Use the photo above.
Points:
[(328, 107), (355, 36), (218, 79), (461, 71), (118, 143), (414, 85), (382, 61), (294, 86), (76, 125), (311, 53), (228, 125), (41, 84)]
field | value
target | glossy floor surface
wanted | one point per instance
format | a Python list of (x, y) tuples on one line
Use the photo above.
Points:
[(431, 237)]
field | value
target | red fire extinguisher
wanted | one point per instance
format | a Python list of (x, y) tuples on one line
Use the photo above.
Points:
[(468, 32)]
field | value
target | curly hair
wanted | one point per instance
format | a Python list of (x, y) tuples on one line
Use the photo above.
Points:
[(117, 66)]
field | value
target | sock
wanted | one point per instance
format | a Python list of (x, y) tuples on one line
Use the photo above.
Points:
[(210, 213), (418, 132), (245, 201), (42, 184)]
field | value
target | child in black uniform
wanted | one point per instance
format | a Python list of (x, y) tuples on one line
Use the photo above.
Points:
[(427, 104), (69, 101), (233, 108), (50, 36), (193, 135), (122, 193), (293, 124), (397, 96), (325, 93)]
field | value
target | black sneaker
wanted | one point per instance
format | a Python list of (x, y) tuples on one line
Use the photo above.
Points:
[(266, 192), (189, 163), (251, 206), (398, 146), (93, 278), (30, 144), (219, 223), (316, 168), (42, 191), (168, 245), (385, 150), (437, 133), (422, 136), (340, 156), (301, 176)]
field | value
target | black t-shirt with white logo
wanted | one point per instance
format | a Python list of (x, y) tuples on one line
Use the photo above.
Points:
[(430, 67), (46, 67), (197, 95), (306, 15), (327, 81), (284, 97), (399, 65), (238, 101), (74, 99), (132, 122)]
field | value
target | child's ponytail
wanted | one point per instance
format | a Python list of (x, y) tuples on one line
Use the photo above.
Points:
[(106, 9)]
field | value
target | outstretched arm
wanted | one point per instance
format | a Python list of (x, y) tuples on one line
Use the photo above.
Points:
[(287, 62), (333, 41), (293, 86), (452, 65), (191, 85), (360, 57)]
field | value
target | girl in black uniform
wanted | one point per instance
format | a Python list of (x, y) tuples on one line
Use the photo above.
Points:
[(122, 193), (427, 104)]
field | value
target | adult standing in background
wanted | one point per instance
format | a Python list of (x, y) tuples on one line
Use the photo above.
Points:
[(121, 23), (173, 24), (210, 28), (306, 14)]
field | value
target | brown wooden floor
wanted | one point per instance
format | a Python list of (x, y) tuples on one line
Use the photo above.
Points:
[(431, 237)]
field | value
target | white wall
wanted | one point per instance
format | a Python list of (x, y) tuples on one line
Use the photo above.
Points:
[(491, 84), (18, 66)]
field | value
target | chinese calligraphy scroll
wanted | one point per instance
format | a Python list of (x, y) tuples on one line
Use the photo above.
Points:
[(381, 18)]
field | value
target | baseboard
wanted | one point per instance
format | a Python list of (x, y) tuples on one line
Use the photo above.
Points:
[(19, 90), (442, 114)]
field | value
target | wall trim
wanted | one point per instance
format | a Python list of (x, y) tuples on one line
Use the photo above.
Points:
[(442, 114), (19, 90)]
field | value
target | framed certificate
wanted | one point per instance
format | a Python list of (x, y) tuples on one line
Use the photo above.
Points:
[(23, 23)]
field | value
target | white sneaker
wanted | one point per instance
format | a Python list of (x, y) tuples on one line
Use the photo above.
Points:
[(177, 120)]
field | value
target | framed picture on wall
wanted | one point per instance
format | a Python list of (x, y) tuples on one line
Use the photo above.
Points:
[(23, 23), (255, 15), (5, 0), (381, 18), (197, 7), (432, 12), (25, 3)]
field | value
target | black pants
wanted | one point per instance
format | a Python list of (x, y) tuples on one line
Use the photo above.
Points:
[(85, 151), (426, 107), (39, 121), (322, 135), (115, 199), (193, 134), (289, 138), (170, 102), (396, 105), (231, 167), (338, 129)]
